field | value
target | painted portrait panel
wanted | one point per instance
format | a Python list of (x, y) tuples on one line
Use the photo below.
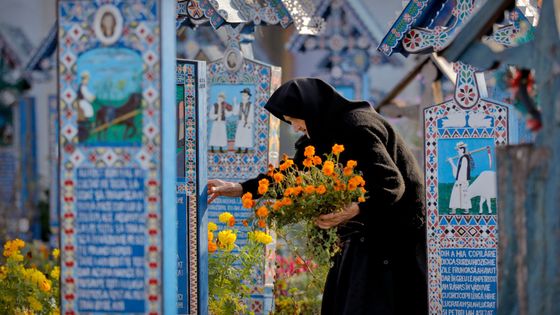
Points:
[(467, 176), (231, 118)]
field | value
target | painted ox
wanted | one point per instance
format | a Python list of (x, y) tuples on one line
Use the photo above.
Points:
[(484, 186)]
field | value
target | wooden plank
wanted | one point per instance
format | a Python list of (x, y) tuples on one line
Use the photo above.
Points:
[(476, 27)]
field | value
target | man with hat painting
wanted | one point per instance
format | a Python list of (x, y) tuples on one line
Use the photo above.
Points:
[(243, 134), (85, 109), (218, 114), (460, 198)]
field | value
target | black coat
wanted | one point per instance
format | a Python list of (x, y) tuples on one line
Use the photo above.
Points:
[(381, 269)]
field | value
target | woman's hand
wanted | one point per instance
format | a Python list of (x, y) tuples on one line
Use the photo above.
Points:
[(217, 188), (327, 221)]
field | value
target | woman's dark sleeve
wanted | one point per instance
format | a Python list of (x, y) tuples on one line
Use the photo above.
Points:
[(252, 185), (384, 182)]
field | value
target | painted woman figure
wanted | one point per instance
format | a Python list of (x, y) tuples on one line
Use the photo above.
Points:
[(381, 266), (244, 132), (460, 198), (218, 114)]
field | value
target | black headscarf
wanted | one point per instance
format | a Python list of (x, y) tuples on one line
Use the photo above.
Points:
[(314, 101)]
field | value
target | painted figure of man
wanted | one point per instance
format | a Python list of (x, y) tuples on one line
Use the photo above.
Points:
[(108, 23), (218, 114), (460, 198), (85, 98), (244, 134), (85, 109)]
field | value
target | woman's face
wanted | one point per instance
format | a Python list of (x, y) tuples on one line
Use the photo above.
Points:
[(298, 125)]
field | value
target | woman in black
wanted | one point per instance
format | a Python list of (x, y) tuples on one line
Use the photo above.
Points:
[(381, 268)]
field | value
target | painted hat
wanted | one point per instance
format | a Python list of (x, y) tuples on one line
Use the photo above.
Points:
[(222, 94), (246, 91), (84, 74), (460, 144)]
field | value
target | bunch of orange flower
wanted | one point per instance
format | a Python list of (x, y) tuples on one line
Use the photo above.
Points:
[(298, 195)]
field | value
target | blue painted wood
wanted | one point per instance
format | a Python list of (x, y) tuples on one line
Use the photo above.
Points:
[(529, 175), (169, 143)]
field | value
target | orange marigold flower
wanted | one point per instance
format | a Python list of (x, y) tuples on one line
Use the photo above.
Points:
[(245, 223), (363, 190), (299, 180), (278, 177), (286, 201), (231, 221), (317, 160), (308, 162), (359, 180), (270, 170), (337, 149), (328, 168), (297, 190), (247, 195), (289, 191), (212, 247), (286, 165), (248, 203), (321, 189), (262, 223), (277, 205), (351, 163), (348, 171), (309, 151), (309, 189), (361, 199), (263, 186), (352, 186), (262, 212)]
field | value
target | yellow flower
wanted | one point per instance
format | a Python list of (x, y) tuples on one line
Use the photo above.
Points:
[(45, 286), (210, 236), (226, 239), (212, 226), (321, 189), (12, 248), (317, 160), (212, 247), (351, 164), (225, 217), (309, 151), (278, 177), (262, 237), (309, 189), (55, 273), (55, 253), (3, 272), (337, 149), (328, 168), (263, 186), (34, 304), (308, 162), (262, 212)]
